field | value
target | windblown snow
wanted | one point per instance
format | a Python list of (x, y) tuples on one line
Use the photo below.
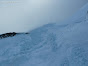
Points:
[(50, 45)]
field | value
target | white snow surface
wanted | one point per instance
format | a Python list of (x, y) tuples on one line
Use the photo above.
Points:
[(50, 45)]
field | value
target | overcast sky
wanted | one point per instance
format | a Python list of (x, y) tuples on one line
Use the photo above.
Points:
[(25, 15)]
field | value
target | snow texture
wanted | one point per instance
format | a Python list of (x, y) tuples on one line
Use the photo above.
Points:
[(50, 45)]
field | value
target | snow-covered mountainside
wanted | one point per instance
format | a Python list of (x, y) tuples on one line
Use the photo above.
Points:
[(49, 45)]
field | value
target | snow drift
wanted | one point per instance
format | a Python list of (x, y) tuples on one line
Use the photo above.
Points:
[(50, 45)]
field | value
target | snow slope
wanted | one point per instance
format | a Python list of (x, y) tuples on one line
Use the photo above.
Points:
[(50, 45)]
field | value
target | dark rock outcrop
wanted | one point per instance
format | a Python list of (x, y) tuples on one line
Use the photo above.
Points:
[(11, 34)]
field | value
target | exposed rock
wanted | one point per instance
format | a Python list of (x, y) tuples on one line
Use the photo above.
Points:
[(11, 34)]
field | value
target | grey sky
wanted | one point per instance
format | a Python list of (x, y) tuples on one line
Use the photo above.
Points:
[(25, 15)]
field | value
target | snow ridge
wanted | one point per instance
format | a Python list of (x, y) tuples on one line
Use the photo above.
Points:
[(50, 45)]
